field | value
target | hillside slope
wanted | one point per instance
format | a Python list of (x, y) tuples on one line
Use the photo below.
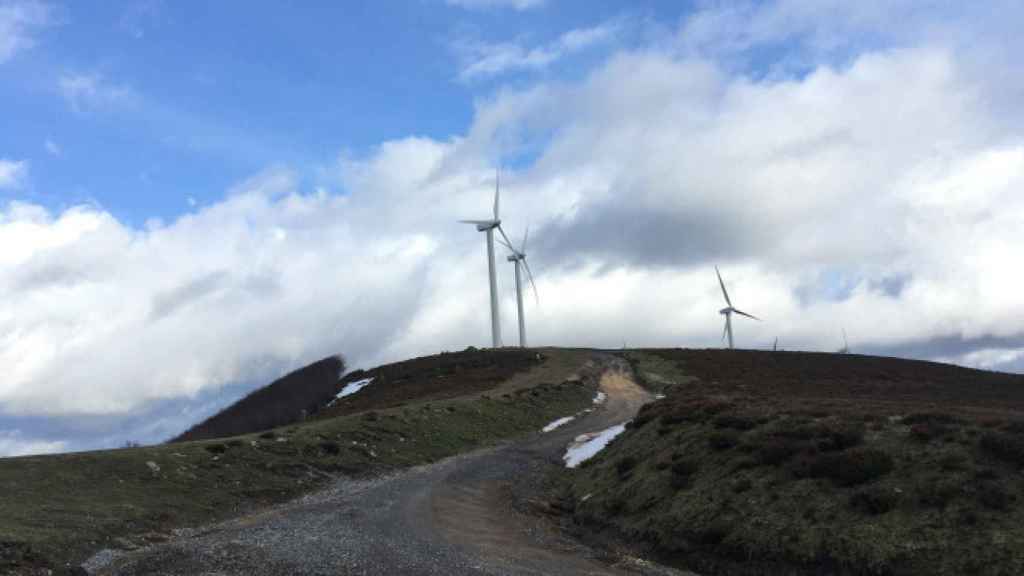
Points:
[(57, 510), (798, 463), (284, 401)]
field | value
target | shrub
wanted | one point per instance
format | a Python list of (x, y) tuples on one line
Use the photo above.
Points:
[(841, 437), (953, 461), (775, 450), (937, 492), (269, 435), (216, 448), (927, 426), (735, 422), (724, 440), (625, 466), (851, 467), (1006, 447), (742, 485), (874, 500), (330, 447), (993, 495), (681, 473)]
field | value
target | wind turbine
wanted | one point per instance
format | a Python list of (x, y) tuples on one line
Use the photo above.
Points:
[(518, 257), (729, 310), (488, 226), (846, 345)]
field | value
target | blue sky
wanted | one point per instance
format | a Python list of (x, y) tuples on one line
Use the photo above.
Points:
[(196, 198), (180, 100)]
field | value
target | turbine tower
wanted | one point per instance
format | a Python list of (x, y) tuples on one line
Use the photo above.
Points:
[(729, 310), (488, 226), (518, 258)]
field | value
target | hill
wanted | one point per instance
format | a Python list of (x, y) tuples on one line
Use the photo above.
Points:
[(284, 401), (800, 463), (60, 509)]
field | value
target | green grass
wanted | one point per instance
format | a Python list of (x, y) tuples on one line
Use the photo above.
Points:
[(735, 482), (62, 508)]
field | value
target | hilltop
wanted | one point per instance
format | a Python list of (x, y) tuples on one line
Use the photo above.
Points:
[(802, 463)]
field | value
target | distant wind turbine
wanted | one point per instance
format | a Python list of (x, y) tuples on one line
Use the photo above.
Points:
[(846, 345), (488, 226), (518, 257), (729, 310)]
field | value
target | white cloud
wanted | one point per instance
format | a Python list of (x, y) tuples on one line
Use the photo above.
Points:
[(13, 443), (13, 173), (20, 20), (880, 196), (487, 4), (52, 148), (481, 59), (91, 91)]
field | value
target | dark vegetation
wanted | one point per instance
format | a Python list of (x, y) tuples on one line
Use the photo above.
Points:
[(799, 463), (284, 401), (68, 506), (445, 375)]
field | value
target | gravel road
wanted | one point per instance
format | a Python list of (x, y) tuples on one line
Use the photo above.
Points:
[(464, 515)]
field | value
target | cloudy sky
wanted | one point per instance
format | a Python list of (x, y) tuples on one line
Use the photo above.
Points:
[(195, 199)]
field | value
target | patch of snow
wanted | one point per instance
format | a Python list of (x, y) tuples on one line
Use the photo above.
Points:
[(659, 396), (586, 446), (600, 398), (351, 388), (557, 423)]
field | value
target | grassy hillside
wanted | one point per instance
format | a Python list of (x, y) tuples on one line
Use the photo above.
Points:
[(798, 463), (57, 510), (438, 377), (284, 401)]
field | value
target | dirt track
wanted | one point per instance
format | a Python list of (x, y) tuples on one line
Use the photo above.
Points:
[(463, 515)]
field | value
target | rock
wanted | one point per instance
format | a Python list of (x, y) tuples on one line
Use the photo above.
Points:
[(153, 467)]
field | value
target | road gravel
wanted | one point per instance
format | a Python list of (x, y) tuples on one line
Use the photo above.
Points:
[(467, 515)]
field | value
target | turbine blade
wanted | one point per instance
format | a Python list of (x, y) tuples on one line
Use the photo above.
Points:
[(497, 192), (722, 284), (725, 329), (529, 274), (506, 240), (507, 245), (742, 313), (526, 236), (477, 222)]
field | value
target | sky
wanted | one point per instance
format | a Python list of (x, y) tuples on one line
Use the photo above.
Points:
[(198, 198)]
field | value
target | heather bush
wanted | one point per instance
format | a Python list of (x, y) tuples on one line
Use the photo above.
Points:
[(1004, 446), (851, 467)]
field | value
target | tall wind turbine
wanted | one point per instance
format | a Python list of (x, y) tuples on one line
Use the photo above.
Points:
[(488, 226), (729, 310), (518, 257)]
